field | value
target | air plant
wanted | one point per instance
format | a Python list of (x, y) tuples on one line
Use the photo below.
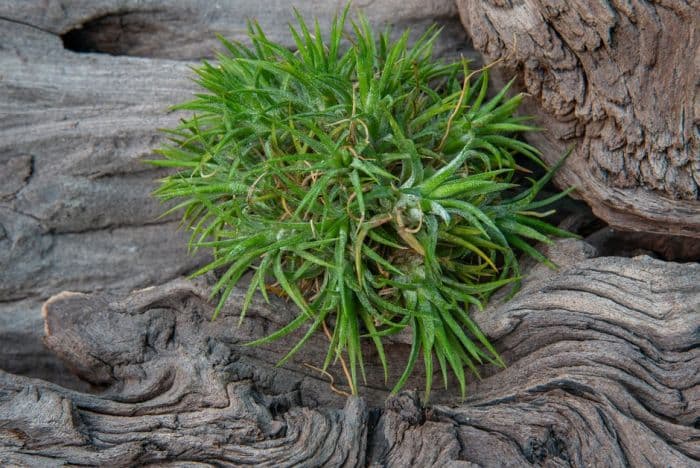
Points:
[(376, 187)]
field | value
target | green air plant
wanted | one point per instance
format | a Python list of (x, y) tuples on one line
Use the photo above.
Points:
[(374, 186)]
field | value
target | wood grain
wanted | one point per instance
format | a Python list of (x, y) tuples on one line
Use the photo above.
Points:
[(620, 82), (602, 354), (602, 370), (76, 210)]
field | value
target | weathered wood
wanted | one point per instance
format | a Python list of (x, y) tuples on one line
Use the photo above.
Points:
[(619, 80), (602, 371), (186, 29), (602, 354), (75, 129), (21, 347), (73, 136)]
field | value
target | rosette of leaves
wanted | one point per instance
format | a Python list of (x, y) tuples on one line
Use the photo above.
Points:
[(373, 186)]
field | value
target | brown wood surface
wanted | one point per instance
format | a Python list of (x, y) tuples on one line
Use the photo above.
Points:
[(620, 81)]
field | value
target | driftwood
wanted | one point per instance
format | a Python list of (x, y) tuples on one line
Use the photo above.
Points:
[(185, 29), (602, 354), (619, 80), (75, 209), (75, 206), (602, 371)]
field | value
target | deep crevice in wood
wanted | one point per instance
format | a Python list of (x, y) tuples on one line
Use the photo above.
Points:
[(123, 33)]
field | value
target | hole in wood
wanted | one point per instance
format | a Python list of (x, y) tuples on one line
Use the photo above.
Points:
[(129, 33)]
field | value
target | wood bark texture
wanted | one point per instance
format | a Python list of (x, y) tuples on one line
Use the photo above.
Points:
[(602, 371), (621, 82)]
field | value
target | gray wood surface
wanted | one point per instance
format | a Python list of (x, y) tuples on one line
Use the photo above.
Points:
[(75, 129), (602, 371), (602, 354)]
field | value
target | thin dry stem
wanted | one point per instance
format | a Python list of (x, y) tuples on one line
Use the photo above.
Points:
[(342, 361)]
